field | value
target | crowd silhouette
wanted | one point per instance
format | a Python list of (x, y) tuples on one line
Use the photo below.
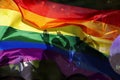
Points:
[(48, 69)]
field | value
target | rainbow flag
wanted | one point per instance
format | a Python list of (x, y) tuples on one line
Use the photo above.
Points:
[(76, 38)]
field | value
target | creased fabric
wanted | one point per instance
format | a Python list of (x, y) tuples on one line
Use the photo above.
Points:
[(71, 39)]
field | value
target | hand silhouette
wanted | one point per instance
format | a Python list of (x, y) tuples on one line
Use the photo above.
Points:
[(59, 33), (45, 36)]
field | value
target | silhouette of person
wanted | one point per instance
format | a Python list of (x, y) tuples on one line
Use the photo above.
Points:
[(66, 45), (6, 71), (4, 61), (28, 68), (79, 45), (46, 39), (91, 42), (48, 69), (4, 67)]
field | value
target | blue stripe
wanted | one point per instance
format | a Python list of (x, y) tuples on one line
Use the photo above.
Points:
[(4, 45), (93, 62)]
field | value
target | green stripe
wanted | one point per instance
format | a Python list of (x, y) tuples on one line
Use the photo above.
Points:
[(15, 34), (61, 41), (26, 36), (2, 32)]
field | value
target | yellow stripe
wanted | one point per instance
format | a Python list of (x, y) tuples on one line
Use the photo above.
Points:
[(95, 28), (14, 19), (107, 31), (99, 44)]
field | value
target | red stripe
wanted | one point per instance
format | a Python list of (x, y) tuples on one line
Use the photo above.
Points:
[(109, 17), (55, 10), (60, 11)]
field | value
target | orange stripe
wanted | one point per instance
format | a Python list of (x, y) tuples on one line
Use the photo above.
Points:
[(106, 31), (94, 28), (43, 22), (8, 4)]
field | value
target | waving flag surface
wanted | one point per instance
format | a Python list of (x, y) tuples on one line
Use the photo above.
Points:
[(76, 38)]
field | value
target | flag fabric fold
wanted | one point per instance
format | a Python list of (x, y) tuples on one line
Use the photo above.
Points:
[(77, 39)]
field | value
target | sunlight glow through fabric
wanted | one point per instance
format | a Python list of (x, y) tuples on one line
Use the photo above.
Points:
[(78, 39)]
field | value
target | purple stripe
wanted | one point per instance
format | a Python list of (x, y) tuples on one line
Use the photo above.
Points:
[(14, 56)]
